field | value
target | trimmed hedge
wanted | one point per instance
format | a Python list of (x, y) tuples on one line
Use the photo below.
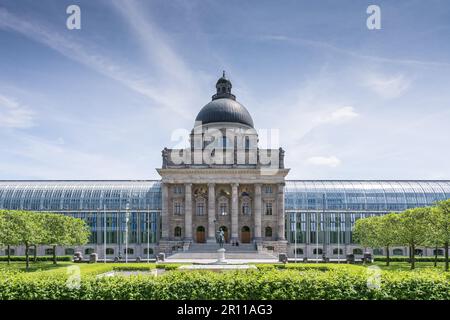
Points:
[(167, 267), (350, 283), (406, 259), (38, 258)]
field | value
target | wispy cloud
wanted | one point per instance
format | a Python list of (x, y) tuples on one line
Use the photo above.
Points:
[(84, 54), (13, 114), (331, 161), (388, 86), (330, 47), (337, 116)]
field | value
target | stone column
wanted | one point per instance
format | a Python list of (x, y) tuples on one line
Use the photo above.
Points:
[(211, 213), (257, 213), (165, 212), (280, 213), (234, 212), (188, 212)]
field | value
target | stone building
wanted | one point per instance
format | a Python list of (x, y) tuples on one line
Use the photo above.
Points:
[(221, 181)]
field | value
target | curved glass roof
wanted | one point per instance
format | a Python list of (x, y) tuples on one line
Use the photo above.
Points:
[(332, 195), (367, 195), (80, 195)]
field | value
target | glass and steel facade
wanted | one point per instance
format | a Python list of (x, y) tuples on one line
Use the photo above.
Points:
[(104, 205), (324, 211), (317, 211)]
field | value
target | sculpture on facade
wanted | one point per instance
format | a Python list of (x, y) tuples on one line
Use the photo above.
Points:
[(165, 156), (281, 157)]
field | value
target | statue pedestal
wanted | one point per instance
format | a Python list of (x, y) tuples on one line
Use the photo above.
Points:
[(221, 256)]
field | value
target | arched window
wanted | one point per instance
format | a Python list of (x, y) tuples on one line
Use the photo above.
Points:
[(177, 232), (88, 250), (440, 252), (247, 143), (31, 251), (299, 251), (129, 250), (49, 251), (338, 251), (109, 251), (69, 251), (11, 252), (418, 252), (377, 252), (397, 252), (357, 251), (150, 250), (268, 232), (317, 251)]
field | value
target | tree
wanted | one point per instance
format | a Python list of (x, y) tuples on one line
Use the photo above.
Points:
[(365, 232), (387, 229), (440, 218), (413, 229), (8, 235), (28, 230), (54, 230), (433, 239), (78, 232)]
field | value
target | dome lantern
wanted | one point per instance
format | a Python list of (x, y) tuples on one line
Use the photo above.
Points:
[(224, 108), (223, 86)]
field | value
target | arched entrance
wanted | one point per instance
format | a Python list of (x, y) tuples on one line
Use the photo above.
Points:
[(200, 234), (225, 232), (245, 234)]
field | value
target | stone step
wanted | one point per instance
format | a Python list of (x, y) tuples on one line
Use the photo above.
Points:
[(197, 247), (228, 255)]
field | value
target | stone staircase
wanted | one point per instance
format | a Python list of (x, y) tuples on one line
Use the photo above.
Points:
[(246, 251)]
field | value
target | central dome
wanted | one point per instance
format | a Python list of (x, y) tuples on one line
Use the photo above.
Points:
[(224, 107), (224, 110)]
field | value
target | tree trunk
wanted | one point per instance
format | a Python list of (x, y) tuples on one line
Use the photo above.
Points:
[(387, 256), (412, 255), (27, 258), (435, 256), (54, 254), (9, 253), (446, 256)]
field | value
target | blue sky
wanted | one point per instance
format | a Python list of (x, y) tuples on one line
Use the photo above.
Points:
[(103, 101)]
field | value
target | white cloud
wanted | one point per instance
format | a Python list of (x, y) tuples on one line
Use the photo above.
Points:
[(331, 161), (339, 115), (13, 114), (388, 86)]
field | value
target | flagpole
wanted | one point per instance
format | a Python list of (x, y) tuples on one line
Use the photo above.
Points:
[(148, 234), (339, 235), (295, 236), (104, 231), (127, 213)]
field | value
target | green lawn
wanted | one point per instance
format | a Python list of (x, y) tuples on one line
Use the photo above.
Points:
[(46, 268), (405, 266)]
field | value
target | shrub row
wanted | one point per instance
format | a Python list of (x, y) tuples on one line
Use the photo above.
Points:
[(258, 285), (406, 259), (38, 258), (172, 266)]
